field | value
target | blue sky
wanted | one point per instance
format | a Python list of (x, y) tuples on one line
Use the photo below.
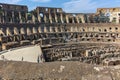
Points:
[(72, 6)]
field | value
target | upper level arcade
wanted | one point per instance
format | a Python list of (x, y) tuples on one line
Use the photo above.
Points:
[(10, 13)]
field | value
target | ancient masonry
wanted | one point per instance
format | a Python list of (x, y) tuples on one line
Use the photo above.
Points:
[(61, 35)]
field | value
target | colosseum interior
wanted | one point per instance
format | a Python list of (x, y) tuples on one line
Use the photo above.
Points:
[(62, 36)]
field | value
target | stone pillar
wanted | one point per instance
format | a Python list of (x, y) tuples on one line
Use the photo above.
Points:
[(56, 19), (20, 17), (82, 19), (39, 29), (56, 29), (5, 16), (45, 19), (61, 17), (70, 54), (22, 31), (50, 18), (29, 31), (73, 20), (67, 19), (1, 19), (33, 18), (8, 32), (13, 16), (72, 29), (77, 20), (1, 15), (34, 30), (26, 17), (16, 31), (51, 29), (45, 29), (62, 29), (38, 15)]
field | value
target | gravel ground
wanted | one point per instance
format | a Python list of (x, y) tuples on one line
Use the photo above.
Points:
[(10, 70)]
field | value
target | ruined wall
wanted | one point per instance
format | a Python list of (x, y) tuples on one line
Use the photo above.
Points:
[(112, 13), (53, 30), (13, 13), (17, 34)]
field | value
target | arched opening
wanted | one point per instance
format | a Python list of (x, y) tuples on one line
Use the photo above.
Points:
[(105, 30), (70, 20), (42, 17), (116, 28), (99, 30)]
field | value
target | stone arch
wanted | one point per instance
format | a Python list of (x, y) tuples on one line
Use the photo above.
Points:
[(83, 29), (2, 33), (96, 35), (99, 30), (91, 35), (39, 30), (29, 31), (105, 30), (22, 31), (34, 30), (72, 29), (45, 29), (86, 35), (16, 31), (59, 30), (116, 28), (110, 29), (80, 29), (56, 29), (70, 20), (76, 29), (42, 29), (8, 32), (51, 29)]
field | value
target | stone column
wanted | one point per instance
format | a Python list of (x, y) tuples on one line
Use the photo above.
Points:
[(45, 19), (62, 29), (1, 19), (5, 16), (8, 32), (39, 29), (51, 29), (50, 18), (13, 16), (72, 29), (73, 20), (34, 30), (56, 18), (26, 17), (61, 17), (82, 19), (16, 31), (1, 14), (77, 20), (45, 29), (56, 29), (67, 19), (20, 17), (38, 15), (33, 18)]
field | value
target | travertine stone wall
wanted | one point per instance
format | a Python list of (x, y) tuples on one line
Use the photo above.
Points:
[(13, 13), (53, 29), (67, 32)]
